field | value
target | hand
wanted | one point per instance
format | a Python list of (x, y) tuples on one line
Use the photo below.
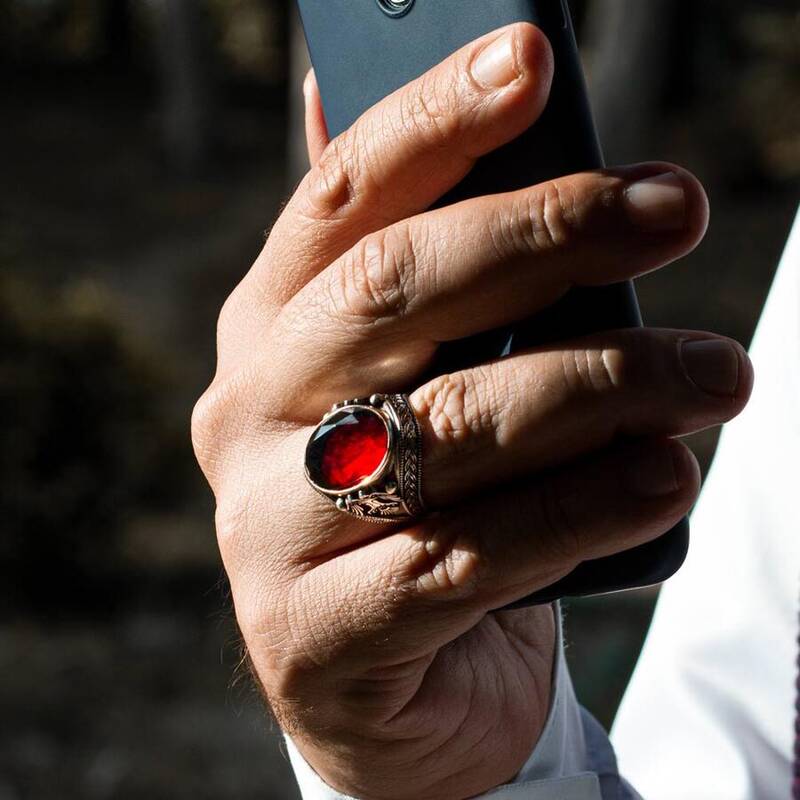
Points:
[(379, 649)]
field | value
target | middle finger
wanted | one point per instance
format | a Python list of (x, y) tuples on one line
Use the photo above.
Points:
[(542, 409), (374, 318)]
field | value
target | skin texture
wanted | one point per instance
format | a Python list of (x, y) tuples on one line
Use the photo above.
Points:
[(379, 648)]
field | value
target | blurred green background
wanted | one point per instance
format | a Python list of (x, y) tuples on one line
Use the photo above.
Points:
[(145, 146)]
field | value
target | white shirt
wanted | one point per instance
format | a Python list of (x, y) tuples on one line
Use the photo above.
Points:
[(709, 711)]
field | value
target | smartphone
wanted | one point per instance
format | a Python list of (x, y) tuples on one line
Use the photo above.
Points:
[(362, 50)]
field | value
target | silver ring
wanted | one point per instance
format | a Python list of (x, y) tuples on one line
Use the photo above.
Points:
[(366, 456)]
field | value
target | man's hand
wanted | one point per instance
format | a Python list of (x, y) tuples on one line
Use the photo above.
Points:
[(378, 648)]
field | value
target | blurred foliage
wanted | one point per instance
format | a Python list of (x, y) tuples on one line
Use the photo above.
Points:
[(768, 40), (248, 36), (36, 31), (84, 445)]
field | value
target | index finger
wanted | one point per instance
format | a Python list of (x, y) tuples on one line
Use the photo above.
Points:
[(407, 151)]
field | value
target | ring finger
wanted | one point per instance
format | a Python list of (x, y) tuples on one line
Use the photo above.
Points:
[(532, 412)]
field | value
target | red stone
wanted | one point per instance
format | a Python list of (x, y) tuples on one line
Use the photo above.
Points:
[(347, 449)]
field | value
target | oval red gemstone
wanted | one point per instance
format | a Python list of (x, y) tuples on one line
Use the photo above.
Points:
[(347, 448)]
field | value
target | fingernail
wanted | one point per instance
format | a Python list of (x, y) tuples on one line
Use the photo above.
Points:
[(654, 474), (657, 203), (713, 365), (496, 64)]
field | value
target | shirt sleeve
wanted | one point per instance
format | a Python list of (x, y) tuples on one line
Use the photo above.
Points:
[(709, 711), (572, 761)]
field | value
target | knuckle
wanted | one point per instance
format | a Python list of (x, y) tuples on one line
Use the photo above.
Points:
[(548, 219), (429, 111), (376, 279), (557, 214), (600, 370), (333, 180), (217, 421), (461, 407), (208, 421)]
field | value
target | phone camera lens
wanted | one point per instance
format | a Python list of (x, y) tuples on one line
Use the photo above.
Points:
[(395, 8)]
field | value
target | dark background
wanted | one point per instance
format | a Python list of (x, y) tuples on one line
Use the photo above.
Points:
[(145, 146)]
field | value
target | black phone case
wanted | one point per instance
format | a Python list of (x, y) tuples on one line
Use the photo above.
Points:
[(360, 54)]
